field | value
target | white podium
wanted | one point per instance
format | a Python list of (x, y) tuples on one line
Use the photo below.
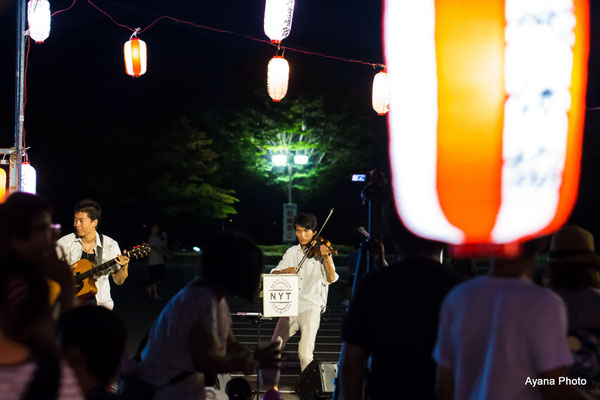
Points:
[(280, 295)]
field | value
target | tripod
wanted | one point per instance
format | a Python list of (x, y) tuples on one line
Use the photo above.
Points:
[(370, 248)]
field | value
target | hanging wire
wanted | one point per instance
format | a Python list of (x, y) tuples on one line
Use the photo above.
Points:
[(111, 18), (64, 9), (210, 28)]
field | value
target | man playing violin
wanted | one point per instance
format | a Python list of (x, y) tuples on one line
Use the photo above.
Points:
[(314, 277)]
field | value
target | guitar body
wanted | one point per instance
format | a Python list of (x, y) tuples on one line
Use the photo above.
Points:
[(84, 288), (87, 287)]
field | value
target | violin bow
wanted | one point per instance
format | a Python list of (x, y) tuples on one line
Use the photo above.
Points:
[(313, 241)]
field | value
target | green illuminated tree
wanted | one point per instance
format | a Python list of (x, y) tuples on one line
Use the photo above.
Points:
[(336, 142)]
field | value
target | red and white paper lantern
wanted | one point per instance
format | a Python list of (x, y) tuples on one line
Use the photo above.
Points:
[(2, 184), (278, 19), (381, 93), (487, 113), (278, 73), (38, 18), (135, 57), (28, 178)]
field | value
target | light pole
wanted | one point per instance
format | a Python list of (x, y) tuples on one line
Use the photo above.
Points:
[(289, 209), (279, 160), (17, 155)]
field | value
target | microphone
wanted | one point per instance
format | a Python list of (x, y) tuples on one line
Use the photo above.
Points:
[(364, 232)]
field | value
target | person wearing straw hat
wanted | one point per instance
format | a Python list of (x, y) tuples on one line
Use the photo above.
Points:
[(574, 272)]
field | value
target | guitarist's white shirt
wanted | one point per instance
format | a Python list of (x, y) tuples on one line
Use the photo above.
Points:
[(72, 247)]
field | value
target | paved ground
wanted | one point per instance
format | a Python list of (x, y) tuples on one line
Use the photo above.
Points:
[(139, 312)]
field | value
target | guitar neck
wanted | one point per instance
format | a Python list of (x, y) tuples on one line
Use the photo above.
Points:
[(96, 270)]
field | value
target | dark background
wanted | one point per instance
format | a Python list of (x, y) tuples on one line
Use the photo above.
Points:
[(82, 108)]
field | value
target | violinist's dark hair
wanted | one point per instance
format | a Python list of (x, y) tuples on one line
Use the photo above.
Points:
[(90, 207), (233, 261), (306, 221)]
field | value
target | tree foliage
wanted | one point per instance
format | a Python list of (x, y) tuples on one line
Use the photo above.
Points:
[(185, 177), (334, 141)]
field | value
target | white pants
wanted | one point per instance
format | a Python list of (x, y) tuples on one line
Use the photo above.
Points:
[(308, 323)]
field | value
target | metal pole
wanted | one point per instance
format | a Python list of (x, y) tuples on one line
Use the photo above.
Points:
[(289, 182), (15, 178)]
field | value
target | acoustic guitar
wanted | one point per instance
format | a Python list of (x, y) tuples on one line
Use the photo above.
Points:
[(84, 270)]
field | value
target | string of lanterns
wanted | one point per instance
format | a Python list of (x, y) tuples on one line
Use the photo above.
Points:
[(277, 27)]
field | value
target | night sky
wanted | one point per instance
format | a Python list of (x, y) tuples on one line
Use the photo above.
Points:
[(80, 102)]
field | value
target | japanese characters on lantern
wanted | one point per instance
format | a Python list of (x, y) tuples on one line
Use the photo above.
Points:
[(486, 130)]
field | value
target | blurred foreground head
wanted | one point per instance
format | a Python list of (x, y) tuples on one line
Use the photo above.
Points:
[(234, 262), (25, 226), (24, 305), (92, 338)]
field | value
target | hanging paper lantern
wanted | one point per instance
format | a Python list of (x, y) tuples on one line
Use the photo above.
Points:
[(28, 178), (381, 93), (38, 17), (278, 19), (486, 124), (2, 184), (278, 72), (135, 57)]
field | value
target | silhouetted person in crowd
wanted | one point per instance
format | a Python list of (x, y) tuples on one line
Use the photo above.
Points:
[(465, 267), (193, 335), (27, 233), (503, 337), (92, 340), (393, 318), (574, 272), (29, 367), (157, 271)]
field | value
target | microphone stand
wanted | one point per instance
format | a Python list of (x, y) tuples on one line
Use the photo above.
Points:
[(255, 318)]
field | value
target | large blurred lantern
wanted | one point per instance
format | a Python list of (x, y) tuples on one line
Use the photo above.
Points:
[(38, 17), (278, 73), (487, 113), (28, 178), (135, 57), (381, 93), (278, 19), (2, 184)]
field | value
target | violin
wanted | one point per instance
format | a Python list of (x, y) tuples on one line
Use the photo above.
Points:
[(314, 248)]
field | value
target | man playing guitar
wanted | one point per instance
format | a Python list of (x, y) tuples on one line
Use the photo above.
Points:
[(87, 243)]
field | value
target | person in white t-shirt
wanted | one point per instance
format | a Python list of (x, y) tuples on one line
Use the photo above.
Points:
[(87, 243), (502, 337), (315, 276)]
